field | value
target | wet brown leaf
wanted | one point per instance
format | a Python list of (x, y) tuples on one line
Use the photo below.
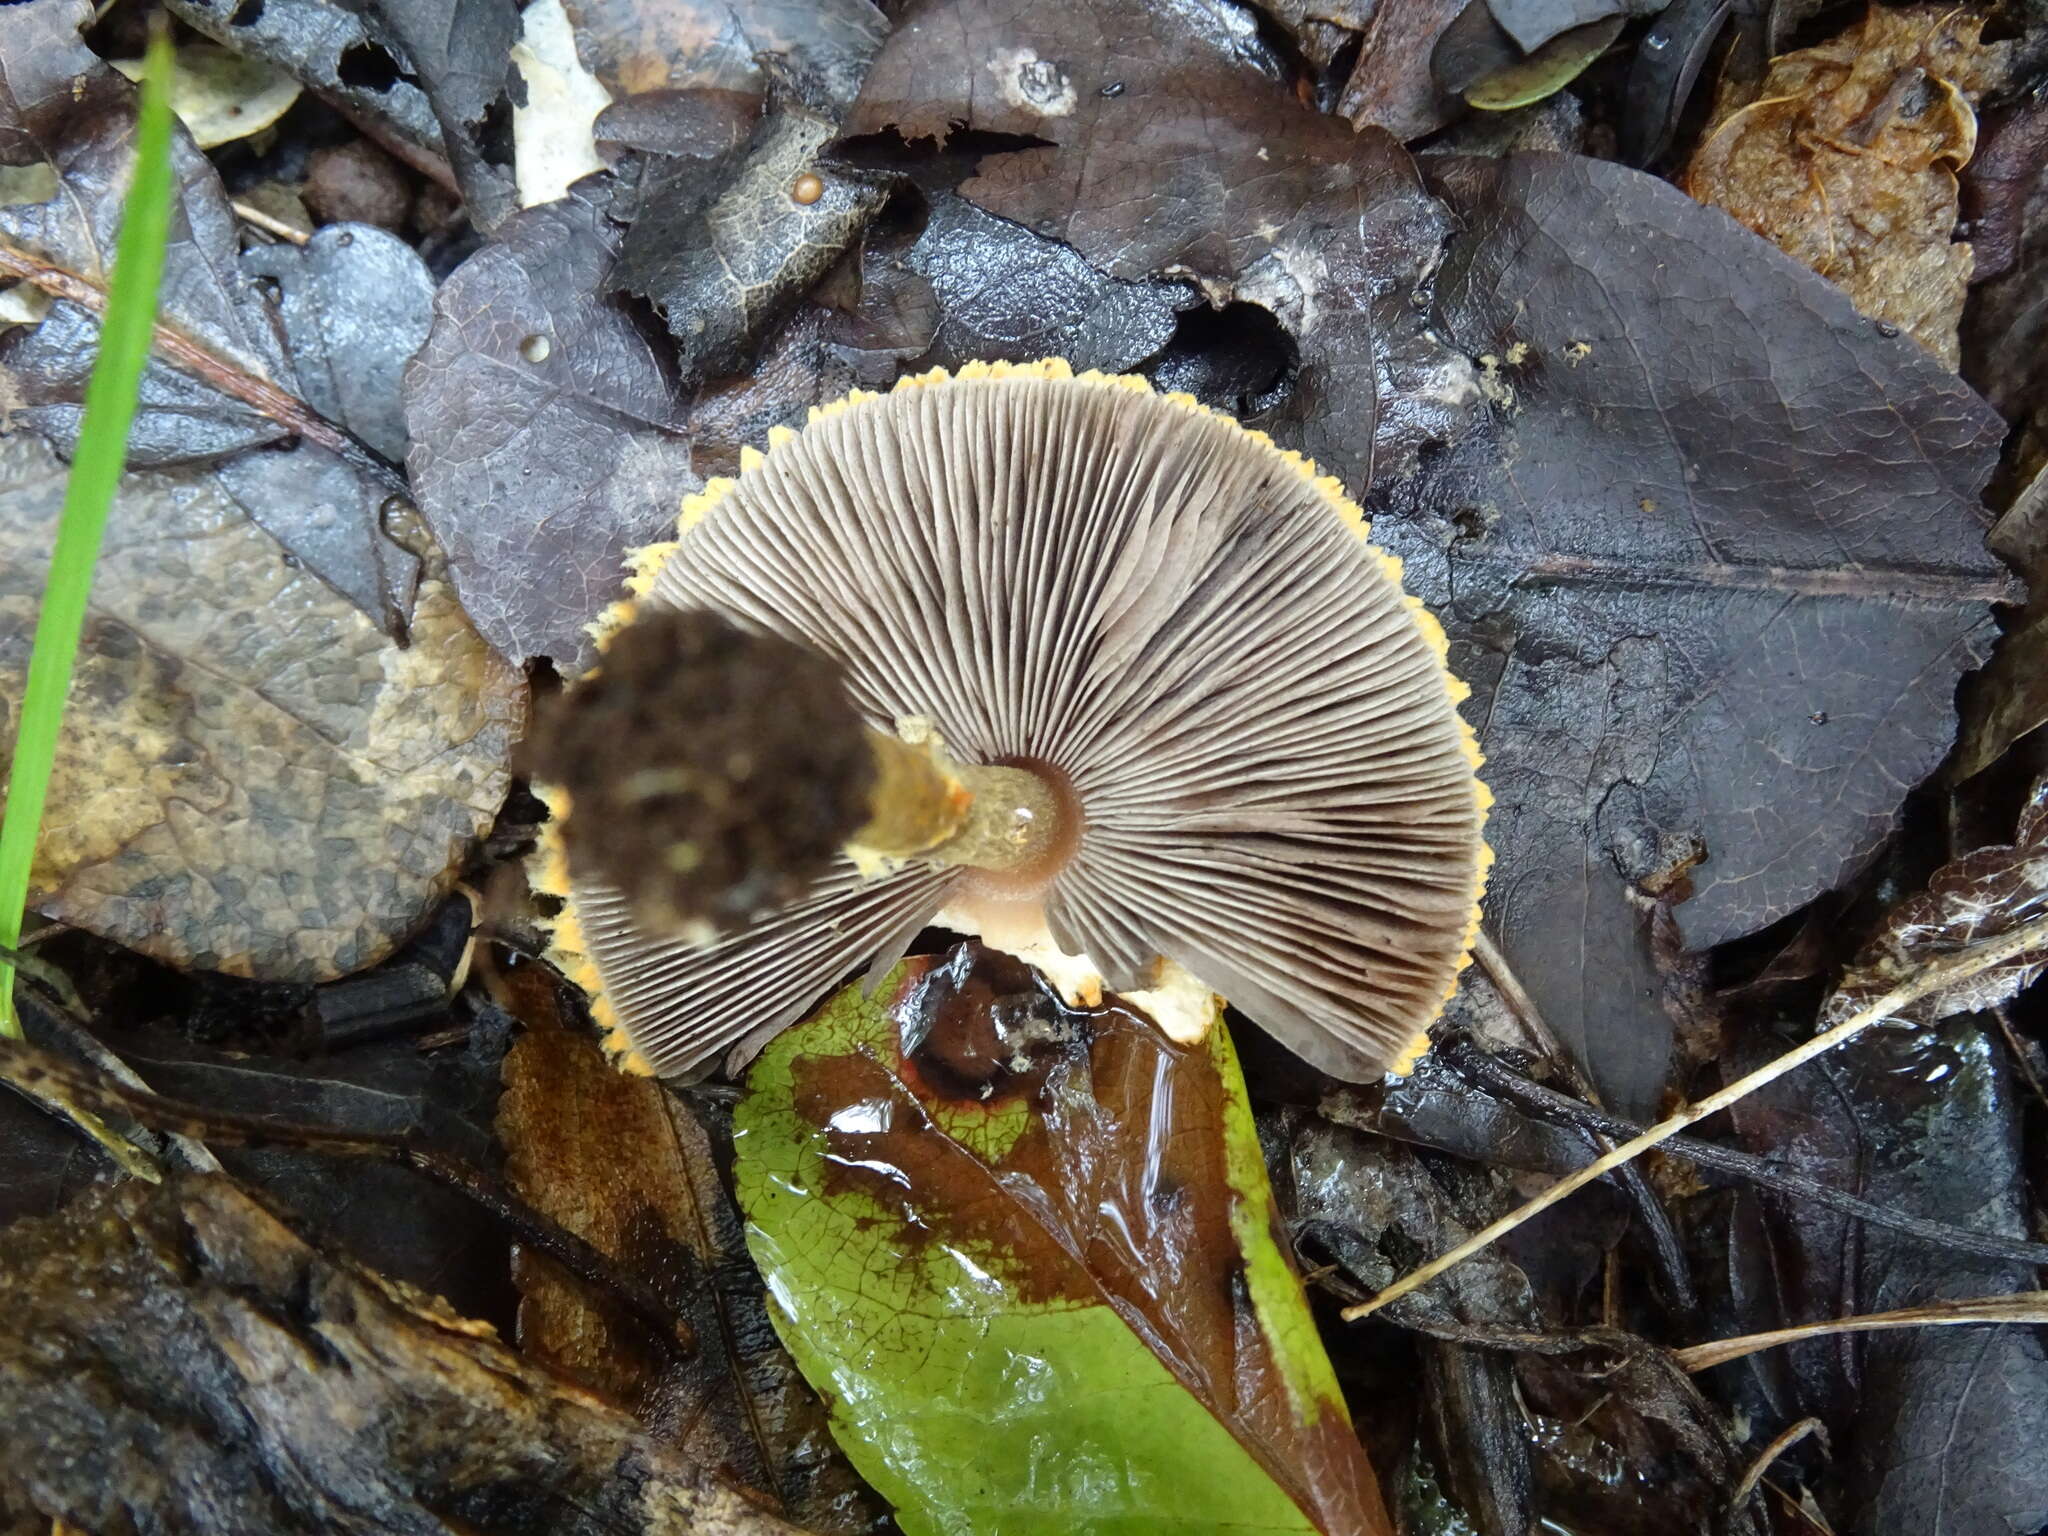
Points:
[(999, 1226), (252, 779), (1391, 86), (624, 1164), (1847, 161)]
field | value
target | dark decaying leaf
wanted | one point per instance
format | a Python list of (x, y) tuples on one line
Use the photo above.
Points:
[(1628, 1444), (1029, 1254), (174, 1358), (460, 51), (1321, 28), (722, 274), (252, 778), (2005, 327), (330, 518), (321, 504), (996, 290), (390, 1218), (205, 295), (792, 374), (1716, 546), (1661, 76), (356, 303), (1169, 142), (343, 54), (1933, 1429), (546, 436), (40, 58), (620, 1161), (1391, 86), (2009, 697), (1527, 1424)]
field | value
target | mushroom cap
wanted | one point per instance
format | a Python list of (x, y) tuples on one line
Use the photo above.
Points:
[(1275, 791)]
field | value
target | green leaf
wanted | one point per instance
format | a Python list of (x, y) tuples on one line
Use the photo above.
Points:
[(95, 471), (1031, 1265)]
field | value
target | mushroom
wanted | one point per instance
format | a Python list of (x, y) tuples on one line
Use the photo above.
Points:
[(1208, 744)]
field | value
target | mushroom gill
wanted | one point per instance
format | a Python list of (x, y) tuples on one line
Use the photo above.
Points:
[(1252, 765)]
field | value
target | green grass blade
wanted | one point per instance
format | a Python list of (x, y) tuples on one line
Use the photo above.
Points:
[(95, 472)]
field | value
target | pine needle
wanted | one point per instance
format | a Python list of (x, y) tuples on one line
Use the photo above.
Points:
[(1938, 977)]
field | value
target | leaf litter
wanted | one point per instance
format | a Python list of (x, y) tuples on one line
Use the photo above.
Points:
[(1708, 543)]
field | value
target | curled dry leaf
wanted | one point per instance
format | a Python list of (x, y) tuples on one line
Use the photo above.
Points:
[(546, 435), (1976, 897), (1717, 542), (1029, 1255), (621, 1162), (252, 778), (221, 96), (1847, 161)]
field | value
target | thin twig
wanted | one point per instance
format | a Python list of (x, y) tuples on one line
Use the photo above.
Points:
[(1666, 1251), (39, 1071), (187, 355), (1770, 1453), (2019, 1054), (2020, 1307), (1934, 978), (249, 213), (1489, 1073)]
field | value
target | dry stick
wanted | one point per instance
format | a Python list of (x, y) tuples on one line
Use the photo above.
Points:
[(32, 1070), (249, 213), (1943, 973), (182, 352), (1490, 1074)]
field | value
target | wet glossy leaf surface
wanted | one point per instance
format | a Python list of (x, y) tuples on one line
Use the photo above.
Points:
[(638, 1171), (1047, 1231), (1933, 1427), (1663, 578)]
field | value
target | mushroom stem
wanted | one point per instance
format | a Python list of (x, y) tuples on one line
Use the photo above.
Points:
[(926, 806)]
